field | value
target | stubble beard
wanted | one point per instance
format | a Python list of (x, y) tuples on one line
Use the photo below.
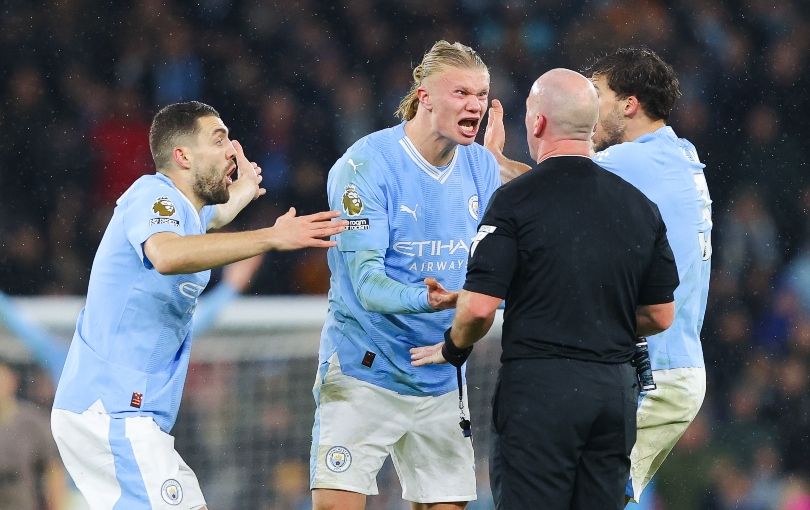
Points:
[(211, 187), (612, 133)]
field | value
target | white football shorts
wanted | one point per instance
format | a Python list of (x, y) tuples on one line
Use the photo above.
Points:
[(358, 424), (125, 463), (663, 416)]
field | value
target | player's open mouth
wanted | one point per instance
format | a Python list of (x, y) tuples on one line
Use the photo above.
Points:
[(228, 174), (469, 127)]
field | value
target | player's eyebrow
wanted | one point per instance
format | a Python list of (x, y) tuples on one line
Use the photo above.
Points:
[(468, 90), (218, 131)]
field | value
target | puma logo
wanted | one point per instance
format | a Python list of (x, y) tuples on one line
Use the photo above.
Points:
[(412, 212), (353, 164)]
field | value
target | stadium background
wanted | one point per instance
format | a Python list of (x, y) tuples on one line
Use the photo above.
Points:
[(297, 82)]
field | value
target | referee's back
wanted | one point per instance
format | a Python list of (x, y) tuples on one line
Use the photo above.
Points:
[(585, 242)]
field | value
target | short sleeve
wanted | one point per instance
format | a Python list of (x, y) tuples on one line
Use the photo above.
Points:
[(155, 209), (661, 278), (357, 188), (493, 252)]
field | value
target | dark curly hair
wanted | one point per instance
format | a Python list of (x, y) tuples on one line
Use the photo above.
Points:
[(642, 73)]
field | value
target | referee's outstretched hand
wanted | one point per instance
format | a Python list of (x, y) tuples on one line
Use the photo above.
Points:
[(428, 355), (438, 297)]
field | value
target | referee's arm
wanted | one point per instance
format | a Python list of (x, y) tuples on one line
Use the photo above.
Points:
[(656, 305), (474, 315), (653, 319)]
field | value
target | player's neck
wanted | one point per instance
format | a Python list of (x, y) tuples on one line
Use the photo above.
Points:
[(187, 189), (563, 148), (639, 128), (437, 150)]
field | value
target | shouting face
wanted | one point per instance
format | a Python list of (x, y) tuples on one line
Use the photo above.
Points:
[(213, 162)]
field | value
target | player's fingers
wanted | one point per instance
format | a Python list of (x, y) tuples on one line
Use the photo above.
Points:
[(495, 116), (320, 243), (321, 216), (331, 230), (291, 212), (323, 223), (238, 147)]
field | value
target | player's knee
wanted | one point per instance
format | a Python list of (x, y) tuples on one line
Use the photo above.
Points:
[(457, 505), (330, 499)]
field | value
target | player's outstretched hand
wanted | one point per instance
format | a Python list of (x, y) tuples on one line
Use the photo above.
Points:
[(248, 170), (292, 232), (428, 355), (495, 134), (438, 297)]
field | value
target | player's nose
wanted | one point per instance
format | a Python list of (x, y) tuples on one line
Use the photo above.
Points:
[(230, 150), (473, 104)]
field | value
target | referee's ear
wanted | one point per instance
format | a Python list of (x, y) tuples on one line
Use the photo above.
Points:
[(539, 126)]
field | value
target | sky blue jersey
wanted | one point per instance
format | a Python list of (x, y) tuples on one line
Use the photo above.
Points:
[(133, 337), (668, 171), (423, 219)]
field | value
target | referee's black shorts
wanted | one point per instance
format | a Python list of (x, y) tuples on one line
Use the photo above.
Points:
[(564, 430)]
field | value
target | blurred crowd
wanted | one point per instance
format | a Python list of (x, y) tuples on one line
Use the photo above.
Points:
[(298, 81)]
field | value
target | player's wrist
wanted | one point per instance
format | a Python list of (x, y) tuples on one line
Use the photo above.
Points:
[(454, 355)]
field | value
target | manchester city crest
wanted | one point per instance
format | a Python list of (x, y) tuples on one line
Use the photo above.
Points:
[(352, 203), (338, 459), (172, 492), (472, 206)]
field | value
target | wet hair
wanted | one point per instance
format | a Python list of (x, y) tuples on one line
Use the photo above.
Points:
[(642, 73), (441, 55), (172, 122)]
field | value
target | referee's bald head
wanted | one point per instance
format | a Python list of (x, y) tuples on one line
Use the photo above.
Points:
[(568, 101)]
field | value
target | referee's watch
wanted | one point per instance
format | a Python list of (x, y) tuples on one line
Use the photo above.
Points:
[(454, 355)]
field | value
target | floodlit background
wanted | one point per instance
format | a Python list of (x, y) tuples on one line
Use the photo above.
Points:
[(297, 82)]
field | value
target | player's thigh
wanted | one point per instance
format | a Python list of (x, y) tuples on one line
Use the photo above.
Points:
[(124, 463), (663, 416), (434, 460), (677, 399), (356, 423), (84, 445), (169, 481)]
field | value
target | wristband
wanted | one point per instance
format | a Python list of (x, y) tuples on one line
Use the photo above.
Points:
[(454, 355)]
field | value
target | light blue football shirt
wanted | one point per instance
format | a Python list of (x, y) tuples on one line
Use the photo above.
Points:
[(133, 338), (668, 171), (424, 218)]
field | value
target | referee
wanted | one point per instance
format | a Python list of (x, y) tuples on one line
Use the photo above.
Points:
[(582, 259)]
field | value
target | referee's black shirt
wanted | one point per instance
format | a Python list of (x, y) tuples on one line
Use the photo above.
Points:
[(573, 249)]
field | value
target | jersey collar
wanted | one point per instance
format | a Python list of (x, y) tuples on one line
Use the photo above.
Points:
[(439, 173)]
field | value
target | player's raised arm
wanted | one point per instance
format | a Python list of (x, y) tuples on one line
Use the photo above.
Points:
[(242, 192), (495, 139)]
